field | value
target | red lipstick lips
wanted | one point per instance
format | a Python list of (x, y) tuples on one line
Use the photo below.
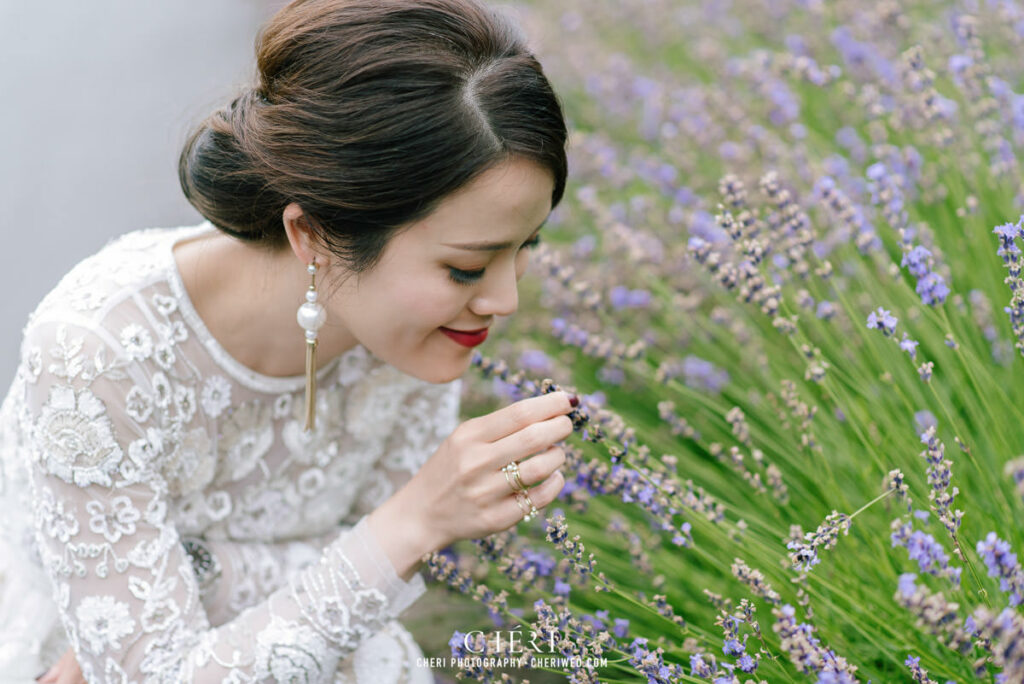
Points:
[(466, 339)]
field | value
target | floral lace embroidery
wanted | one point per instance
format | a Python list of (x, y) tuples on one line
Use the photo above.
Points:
[(128, 436)]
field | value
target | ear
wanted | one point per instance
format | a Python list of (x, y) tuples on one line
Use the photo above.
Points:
[(301, 237)]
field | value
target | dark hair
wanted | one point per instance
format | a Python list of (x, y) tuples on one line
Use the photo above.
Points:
[(368, 113)]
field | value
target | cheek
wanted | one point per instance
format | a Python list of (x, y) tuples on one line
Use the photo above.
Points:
[(433, 300)]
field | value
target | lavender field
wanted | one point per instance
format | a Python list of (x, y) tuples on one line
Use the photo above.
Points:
[(786, 281)]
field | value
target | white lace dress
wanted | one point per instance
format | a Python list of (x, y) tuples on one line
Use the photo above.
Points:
[(162, 511)]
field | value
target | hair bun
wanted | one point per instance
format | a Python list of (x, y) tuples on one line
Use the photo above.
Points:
[(220, 178)]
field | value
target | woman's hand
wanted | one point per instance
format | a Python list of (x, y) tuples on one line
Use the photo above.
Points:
[(65, 671), (461, 491)]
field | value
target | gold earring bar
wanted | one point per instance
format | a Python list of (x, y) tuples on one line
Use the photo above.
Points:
[(310, 384)]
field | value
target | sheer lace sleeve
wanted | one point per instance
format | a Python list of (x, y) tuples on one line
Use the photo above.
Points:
[(235, 575), (429, 413), (102, 429)]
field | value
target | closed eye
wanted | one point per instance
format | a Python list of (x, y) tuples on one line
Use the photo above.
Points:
[(461, 277)]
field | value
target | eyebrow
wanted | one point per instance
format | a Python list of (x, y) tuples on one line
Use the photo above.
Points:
[(488, 246)]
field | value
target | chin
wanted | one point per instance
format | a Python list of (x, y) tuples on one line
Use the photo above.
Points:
[(434, 371), (439, 376)]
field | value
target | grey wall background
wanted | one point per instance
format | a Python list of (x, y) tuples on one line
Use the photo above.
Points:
[(97, 99)]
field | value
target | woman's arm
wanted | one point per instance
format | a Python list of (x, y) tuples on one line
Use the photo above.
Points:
[(123, 582), (235, 575)]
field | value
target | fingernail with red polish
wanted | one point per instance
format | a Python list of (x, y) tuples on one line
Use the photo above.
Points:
[(574, 401)]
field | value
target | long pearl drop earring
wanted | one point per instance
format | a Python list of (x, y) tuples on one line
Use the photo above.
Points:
[(311, 316)]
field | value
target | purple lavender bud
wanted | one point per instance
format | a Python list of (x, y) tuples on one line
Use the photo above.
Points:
[(908, 345), (882, 320), (957, 65), (700, 668), (584, 246), (876, 171), (932, 289), (700, 373), (917, 259), (458, 645), (535, 361), (1003, 564), (543, 563), (1008, 249), (906, 584)]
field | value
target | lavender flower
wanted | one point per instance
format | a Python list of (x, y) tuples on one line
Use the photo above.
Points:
[(1006, 632), (806, 651), (919, 674), (908, 345), (929, 554), (1010, 252), (804, 553), (1002, 563), (882, 320), (939, 477)]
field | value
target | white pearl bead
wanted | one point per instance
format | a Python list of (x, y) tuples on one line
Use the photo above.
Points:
[(311, 269), (311, 334), (310, 295), (311, 316)]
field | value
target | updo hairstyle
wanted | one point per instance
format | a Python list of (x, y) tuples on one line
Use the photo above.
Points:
[(368, 113)]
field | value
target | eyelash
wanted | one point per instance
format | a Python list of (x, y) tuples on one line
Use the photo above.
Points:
[(469, 277)]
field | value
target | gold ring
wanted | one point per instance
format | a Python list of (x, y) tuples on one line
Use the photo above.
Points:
[(512, 470), (517, 478), (528, 513)]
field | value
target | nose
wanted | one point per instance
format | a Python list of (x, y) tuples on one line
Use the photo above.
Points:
[(499, 295)]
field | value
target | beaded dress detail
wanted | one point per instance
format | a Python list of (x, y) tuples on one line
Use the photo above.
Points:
[(163, 511)]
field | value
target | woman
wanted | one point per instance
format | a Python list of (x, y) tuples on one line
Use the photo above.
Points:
[(197, 489)]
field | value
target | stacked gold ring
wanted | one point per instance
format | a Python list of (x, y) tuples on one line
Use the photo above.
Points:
[(512, 477), (522, 500)]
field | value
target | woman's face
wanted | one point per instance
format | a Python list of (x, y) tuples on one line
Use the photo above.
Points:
[(426, 281)]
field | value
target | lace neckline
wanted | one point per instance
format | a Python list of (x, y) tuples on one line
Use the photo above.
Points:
[(228, 363)]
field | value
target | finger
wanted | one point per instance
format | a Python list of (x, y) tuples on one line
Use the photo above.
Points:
[(548, 490), (514, 417), (541, 496), (532, 439), (531, 471)]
